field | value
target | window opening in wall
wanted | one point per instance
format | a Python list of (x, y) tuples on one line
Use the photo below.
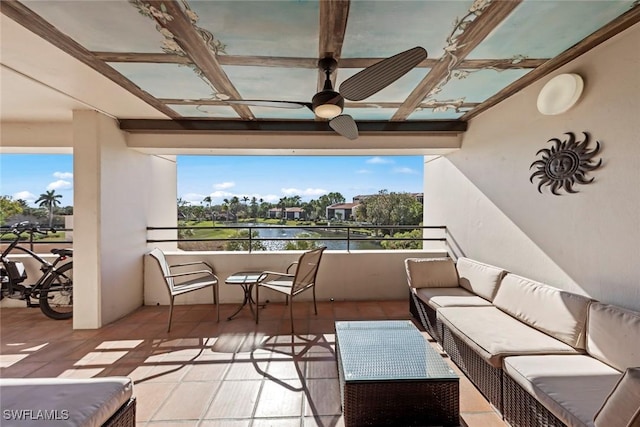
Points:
[(37, 188), (308, 192)]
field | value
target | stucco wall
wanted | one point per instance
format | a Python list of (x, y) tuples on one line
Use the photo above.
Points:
[(110, 192), (586, 242), (162, 194), (124, 186)]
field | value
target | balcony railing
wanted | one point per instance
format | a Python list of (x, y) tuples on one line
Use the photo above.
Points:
[(32, 241), (340, 237), (252, 237)]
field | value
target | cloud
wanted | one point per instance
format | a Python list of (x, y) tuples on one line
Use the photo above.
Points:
[(408, 171), (363, 171), (63, 175), (221, 195), (224, 185), (379, 161), (60, 184), (305, 192), (193, 198), (25, 195)]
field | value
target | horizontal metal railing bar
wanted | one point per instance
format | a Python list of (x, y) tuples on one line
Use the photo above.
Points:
[(37, 242), (33, 239), (351, 234), (290, 239), (321, 227)]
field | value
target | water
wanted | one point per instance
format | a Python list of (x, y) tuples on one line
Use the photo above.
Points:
[(281, 233)]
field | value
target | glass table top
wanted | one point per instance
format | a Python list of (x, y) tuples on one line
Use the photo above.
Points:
[(243, 277), (388, 351)]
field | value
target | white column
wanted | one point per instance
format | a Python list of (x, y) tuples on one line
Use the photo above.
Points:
[(111, 201), (86, 208)]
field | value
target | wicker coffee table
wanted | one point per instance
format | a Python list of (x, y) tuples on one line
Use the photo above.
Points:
[(390, 375)]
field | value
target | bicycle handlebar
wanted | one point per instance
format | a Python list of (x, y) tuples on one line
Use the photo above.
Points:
[(27, 227)]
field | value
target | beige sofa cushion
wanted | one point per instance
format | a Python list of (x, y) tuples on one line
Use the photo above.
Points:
[(88, 402), (622, 406), (431, 272), (572, 387), (481, 279), (493, 334), (561, 314), (613, 335), (450, 297)]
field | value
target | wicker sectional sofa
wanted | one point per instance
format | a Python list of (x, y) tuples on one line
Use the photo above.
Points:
[(540, 355)]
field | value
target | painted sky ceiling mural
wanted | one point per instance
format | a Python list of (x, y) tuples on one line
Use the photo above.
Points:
[(187, 57)]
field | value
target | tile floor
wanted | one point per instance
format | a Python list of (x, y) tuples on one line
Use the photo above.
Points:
[(233, 373)]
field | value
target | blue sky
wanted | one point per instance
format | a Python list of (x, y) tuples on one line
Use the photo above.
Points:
[(266, 177)]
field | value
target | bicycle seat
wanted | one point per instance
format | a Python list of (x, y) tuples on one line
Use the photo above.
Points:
[(62, 252)]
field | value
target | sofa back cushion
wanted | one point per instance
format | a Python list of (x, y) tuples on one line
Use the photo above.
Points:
[(622, 407), (613, 335), (561, 314), (481, 279), (431, 272)]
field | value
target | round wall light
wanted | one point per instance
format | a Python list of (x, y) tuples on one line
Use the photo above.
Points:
[(560, 93)]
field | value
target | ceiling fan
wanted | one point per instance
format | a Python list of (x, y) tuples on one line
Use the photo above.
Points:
[(328, 103)]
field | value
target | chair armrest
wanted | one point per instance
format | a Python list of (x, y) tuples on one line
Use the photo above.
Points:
[(190, 273), (291, 265), (192, 263), (265, 274)]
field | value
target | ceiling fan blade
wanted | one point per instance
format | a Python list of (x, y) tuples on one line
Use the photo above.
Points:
[(345, 126), (274, 104), (380, 75)]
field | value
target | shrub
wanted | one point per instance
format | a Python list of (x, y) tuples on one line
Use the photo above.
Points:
[(243, 245), (302, 245), (404, 244)]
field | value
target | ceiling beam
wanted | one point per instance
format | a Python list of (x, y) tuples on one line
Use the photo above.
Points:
[(333, 18), (140, 57), (34, 23), (196, 49), (286, 126), (631, 17), (475, 32), (290, 62)]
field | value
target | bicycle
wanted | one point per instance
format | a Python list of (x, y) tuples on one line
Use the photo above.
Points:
[(53, 291)]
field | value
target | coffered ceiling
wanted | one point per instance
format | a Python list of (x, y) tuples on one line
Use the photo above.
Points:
[(186, 59)]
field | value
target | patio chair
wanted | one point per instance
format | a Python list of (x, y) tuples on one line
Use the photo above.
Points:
[(186, 282), (291, 284)]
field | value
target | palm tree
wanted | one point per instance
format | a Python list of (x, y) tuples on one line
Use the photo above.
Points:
[(233, 207), (245, 199), (254, 207), (49, 200), (282, 204), (225, 208), (207, 200)]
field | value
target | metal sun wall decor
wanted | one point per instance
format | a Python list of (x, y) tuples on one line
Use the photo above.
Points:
[(566, 163)]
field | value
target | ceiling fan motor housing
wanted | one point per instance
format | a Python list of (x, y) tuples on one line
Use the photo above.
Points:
[(327, 103)]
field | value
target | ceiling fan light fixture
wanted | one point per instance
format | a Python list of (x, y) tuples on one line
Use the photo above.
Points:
[(327, 111), (327, 104)]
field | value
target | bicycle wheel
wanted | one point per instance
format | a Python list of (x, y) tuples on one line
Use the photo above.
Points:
[(56, 296)]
